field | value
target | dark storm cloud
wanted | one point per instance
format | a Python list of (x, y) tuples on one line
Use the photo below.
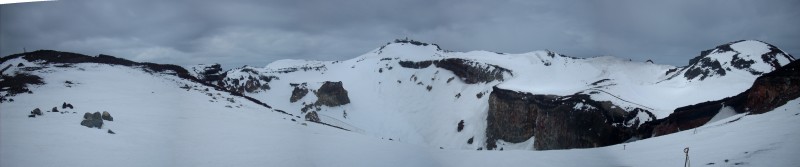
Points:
[(237, 33)]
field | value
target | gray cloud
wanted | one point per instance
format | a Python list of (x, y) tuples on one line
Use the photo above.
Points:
[(237, 33)]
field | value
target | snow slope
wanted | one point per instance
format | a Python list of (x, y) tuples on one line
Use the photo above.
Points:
[(391, 101), (158, 123)]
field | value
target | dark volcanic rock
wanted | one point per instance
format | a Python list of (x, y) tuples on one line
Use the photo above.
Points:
[(92, 120), (460, 126), (468, 71), (332, 94), (312, 116), (18, 83), (574, 121), (774, 89), (106, 116), (298, 93), (512, 116), (36, 111)]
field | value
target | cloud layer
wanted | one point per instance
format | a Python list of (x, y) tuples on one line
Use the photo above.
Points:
[(236, 33)]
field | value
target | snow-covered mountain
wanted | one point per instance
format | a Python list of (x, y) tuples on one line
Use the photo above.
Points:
[(419, 93), (407, 103)]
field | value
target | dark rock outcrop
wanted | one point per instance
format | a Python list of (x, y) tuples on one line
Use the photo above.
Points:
[(332, 94), (36, 111), (557, 122), (460, 126), (18, 83), (298, 93), (106, 116), (94, 120), (209, 73), (470, 72), (312, 116), (768, 92), (773, 89)]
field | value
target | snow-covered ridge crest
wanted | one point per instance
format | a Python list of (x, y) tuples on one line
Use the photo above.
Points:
[(740, 57)]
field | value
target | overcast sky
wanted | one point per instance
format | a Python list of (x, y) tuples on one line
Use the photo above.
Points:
[(255, 33)]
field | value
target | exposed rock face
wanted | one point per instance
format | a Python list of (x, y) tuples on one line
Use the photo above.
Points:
[(468, 71), (574, 121), (92, 120), (332, 94), (774, 89), (106, 116), (512, 116), (312, 116), (299, 92), (209, 73), (767, 93)]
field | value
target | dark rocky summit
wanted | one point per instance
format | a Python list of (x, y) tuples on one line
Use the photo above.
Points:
[(332, 94)]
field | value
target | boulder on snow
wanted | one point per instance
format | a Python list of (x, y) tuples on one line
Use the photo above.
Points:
[(312, 116), (66, 105), (106, 116), (36, 112), (332, 94), (92, 120), (55, 109), (111, 132)]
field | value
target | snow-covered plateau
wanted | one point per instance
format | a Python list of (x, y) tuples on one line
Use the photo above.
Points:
[(407, 103)]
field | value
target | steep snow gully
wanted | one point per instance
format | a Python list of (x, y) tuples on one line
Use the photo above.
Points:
[(407, 103)]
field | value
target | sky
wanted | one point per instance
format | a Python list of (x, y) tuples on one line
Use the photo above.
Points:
[(257, 32)]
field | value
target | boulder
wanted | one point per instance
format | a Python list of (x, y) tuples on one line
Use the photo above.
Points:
[(55, 109), (36, 112), (460, 126), (312, 116), (106, 116), (332, 94), (92, 120)]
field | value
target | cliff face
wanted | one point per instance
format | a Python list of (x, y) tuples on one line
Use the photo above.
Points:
[(556, 122), (774, 89), (512, 116)]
